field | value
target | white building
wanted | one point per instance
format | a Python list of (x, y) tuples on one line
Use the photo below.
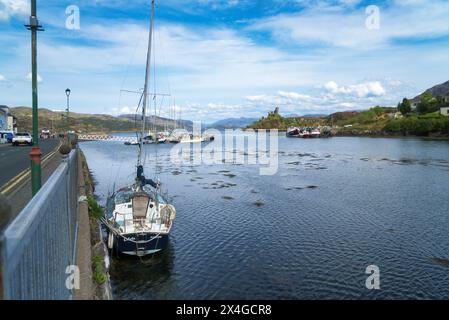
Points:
[(12, 123), (444, 111), (4, 114)]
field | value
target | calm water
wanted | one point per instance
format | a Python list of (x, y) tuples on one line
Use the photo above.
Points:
[(309, 232)]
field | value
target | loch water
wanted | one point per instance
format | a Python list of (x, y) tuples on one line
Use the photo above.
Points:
[(334, 207)]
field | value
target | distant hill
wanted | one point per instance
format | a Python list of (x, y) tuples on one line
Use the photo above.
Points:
[(292, 115), (440, 90), (160, 121), (318, 115), (82, 123), (232, 123)]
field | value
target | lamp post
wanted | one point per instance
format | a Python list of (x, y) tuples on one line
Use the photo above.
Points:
[(35, 155), (67, 93)]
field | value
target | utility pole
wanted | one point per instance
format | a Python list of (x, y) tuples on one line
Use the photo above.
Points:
[(35, 155)]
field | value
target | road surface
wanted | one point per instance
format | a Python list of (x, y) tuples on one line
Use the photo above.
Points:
[(14, 160)]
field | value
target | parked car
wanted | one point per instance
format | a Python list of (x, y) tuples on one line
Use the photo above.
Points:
[(22, 138), (45, 134), (6, 136)]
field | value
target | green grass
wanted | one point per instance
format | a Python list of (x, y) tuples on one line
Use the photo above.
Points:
[(95, 210), (432, 115), (99, 275)]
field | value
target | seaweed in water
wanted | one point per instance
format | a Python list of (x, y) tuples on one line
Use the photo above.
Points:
[(259, 203), (441, 262)]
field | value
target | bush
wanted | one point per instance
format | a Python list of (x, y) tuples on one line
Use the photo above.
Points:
[(393, 126), (421, 126), (95, 211), (100, 276)]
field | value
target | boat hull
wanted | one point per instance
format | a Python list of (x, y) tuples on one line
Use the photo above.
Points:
[(293, 133), (137, 244)]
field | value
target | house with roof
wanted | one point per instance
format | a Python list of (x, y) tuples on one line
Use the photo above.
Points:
[(444, 111)]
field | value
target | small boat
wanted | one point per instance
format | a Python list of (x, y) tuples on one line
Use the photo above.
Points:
[(316, 133), (146, 140), (162, 137), (190, 138), (304, 134), (183, 136), (293, 132)]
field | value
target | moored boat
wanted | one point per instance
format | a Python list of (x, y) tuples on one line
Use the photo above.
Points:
[(293, 132), (304, 133), (316, 133), (138, 217)]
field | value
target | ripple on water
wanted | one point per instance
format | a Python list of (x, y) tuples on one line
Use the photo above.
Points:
[(314, 234)]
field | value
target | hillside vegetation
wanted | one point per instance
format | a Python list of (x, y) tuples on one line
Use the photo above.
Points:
[(83, 123), (275, 121), (418, 116), (375, 121)]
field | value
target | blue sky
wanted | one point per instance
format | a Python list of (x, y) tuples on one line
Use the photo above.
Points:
[(227, 58)]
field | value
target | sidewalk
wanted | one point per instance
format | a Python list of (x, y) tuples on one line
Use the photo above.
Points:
[(84, 251)]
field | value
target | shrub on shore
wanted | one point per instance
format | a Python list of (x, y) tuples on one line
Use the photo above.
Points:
[(421, 126)]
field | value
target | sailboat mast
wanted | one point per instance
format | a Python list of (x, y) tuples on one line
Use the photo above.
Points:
[(147, 81)]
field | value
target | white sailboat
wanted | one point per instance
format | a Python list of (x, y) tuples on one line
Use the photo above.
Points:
[(138, 218)]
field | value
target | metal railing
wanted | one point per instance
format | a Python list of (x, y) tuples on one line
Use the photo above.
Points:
[(40, 243)]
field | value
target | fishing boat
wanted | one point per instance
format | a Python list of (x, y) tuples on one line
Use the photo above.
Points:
[(183, 136), (162, 137), (190, 138), (135, 142), (138, 217), (304, 133), (315, 133), (293, 132)]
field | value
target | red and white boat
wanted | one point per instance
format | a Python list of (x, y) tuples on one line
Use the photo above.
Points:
[(316, 133), (304, 134)]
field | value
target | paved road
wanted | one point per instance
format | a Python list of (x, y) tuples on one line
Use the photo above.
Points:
[(14, 160)]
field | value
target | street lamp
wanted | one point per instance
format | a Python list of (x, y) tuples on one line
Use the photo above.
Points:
[(67, 93)]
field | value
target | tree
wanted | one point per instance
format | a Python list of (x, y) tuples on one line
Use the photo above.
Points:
[(405, 107), (424, 106)]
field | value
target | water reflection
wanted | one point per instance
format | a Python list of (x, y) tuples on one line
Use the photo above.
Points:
[(133, 276)]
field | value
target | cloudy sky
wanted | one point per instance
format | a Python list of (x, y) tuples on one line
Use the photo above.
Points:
[(227, 58)]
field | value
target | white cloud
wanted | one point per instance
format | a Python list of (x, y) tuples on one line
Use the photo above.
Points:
[(123, 110), (2, 77), (220, 4), (331, 97), (293, 96), (331, 25), (362, 90), (29, 77), (281, 98), (218, 71), (10, 8)]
